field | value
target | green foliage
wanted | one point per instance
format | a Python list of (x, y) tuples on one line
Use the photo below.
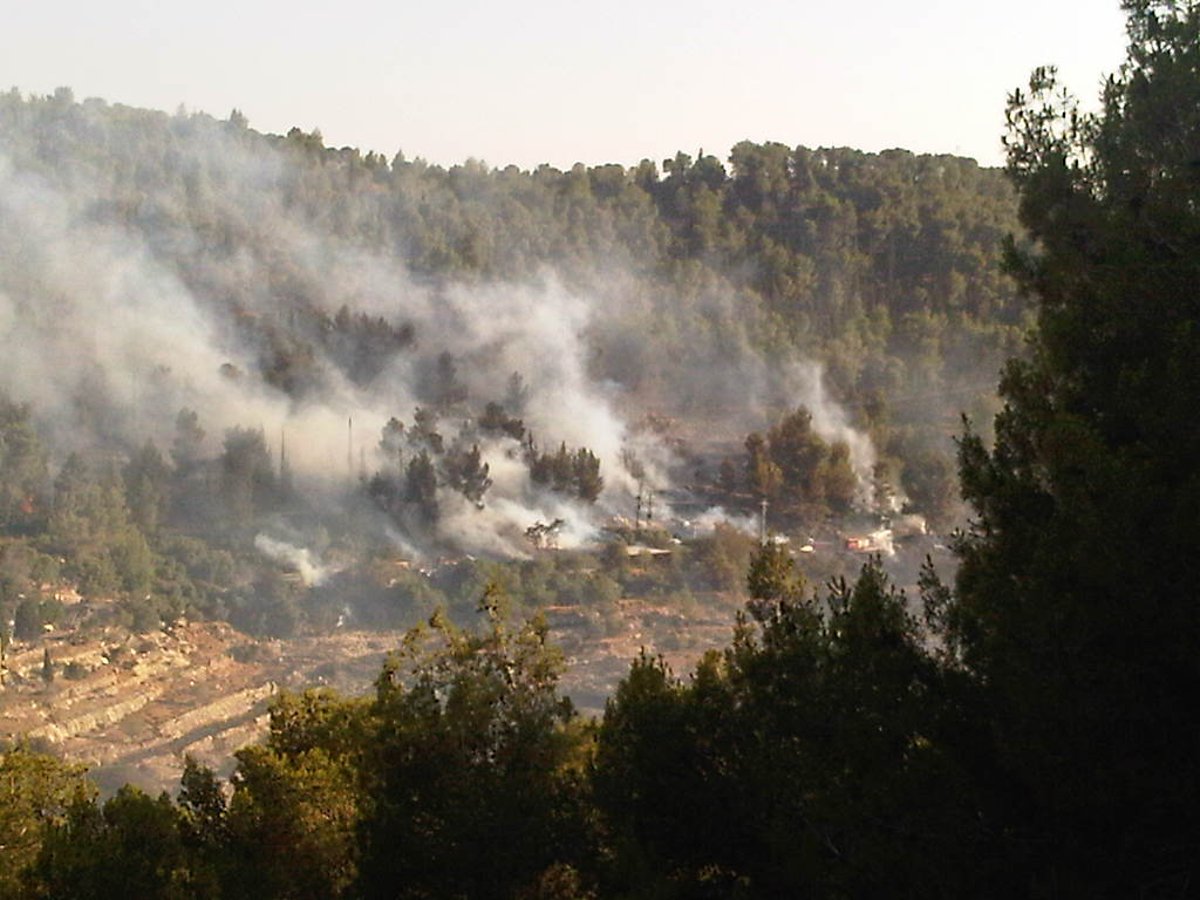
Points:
[(292, 821), (723, 558), (466, 473), (461, 777), (204, 830), (248, 483), (930, 480), (131, 844), (194, 574), (147, 485), (270, 609), (804, 477), (808, 758), (649, 778), (763, 477), (773, 577), (27, 620), (585, 472), (575, 473), (363, 345), (420, 488), (496, 421), (91, 526), (409, 493), (23, 473), (36, 791), (1037, 739), (1075, 602), (885, 267), (472, 737)]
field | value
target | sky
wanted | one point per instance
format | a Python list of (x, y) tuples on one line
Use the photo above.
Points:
[(533, 81)]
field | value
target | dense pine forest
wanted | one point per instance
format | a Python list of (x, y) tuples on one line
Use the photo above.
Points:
[(294, 280), (225, 344), (532, 356)]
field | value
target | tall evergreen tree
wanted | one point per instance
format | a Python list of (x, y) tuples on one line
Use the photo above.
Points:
[(1076, 601), (23, 473)]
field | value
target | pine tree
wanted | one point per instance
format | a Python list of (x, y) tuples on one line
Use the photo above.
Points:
[(1076, 604)]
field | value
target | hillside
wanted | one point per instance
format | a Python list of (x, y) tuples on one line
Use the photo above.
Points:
[(260, 381), (271, 405)]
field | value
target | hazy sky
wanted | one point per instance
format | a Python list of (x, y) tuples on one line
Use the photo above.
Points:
[(533, 81)]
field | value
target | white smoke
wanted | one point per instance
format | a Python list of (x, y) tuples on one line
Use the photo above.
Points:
[(298, 559), (108, 335), (806, 382), (707, 521), (106, 343)]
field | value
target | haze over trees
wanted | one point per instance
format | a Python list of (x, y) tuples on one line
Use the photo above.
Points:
[(268, 285), (702, 282), (1026, 731)]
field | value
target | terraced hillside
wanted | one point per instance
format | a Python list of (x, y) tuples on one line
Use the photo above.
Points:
[(132, 706)]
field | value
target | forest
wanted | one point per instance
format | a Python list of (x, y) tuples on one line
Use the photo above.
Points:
[(827, 328), (222, 341), (302, 285)]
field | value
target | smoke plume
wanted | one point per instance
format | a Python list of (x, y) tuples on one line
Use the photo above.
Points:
[(226, 289)]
